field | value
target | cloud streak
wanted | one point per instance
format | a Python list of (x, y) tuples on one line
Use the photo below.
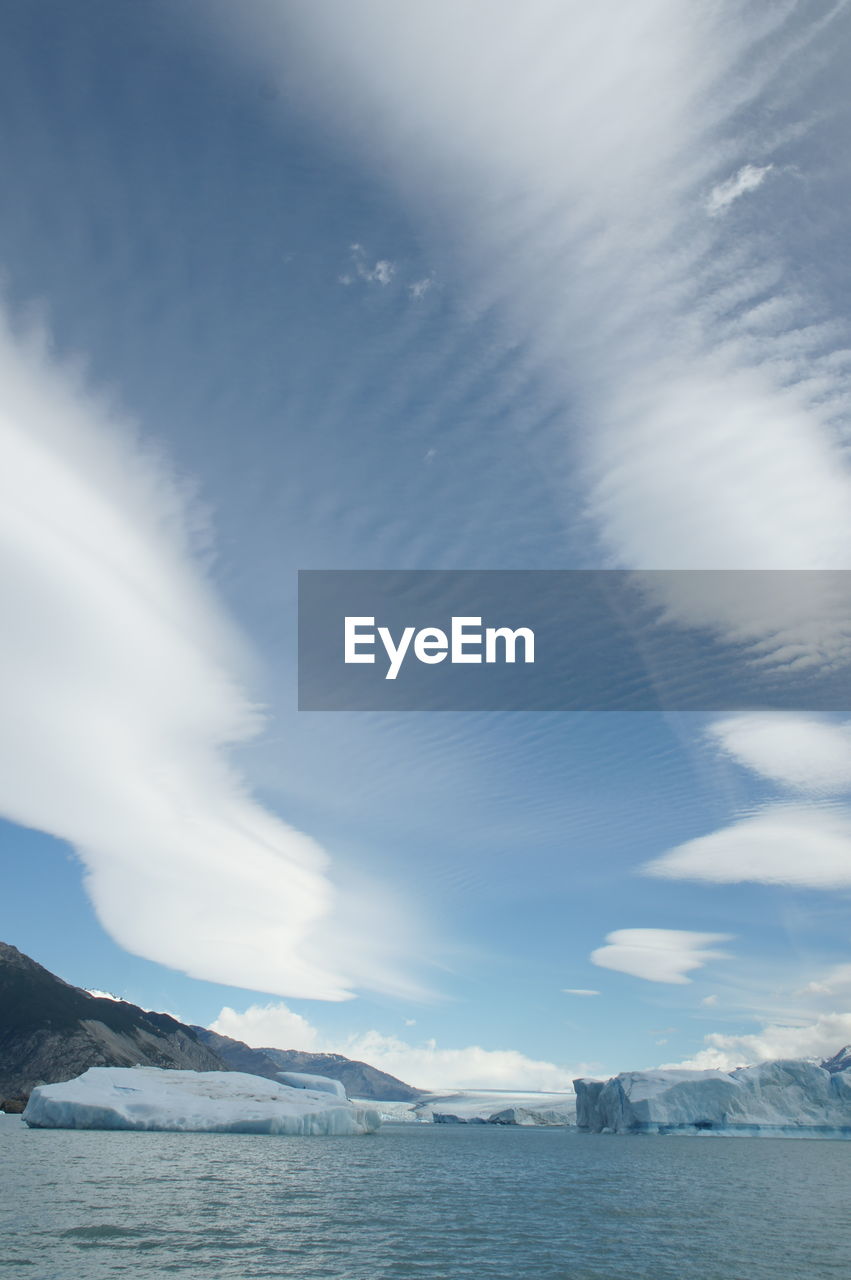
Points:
[(567, 157), (748, 178), (121, 682)]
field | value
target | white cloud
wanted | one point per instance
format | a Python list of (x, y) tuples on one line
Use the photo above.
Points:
[(381, 272), (706, 383), (785, 844), (806, 753), (269, 1026), (709, 1001), (579, 991), (835, 982), (120, 681), (658, 955), (420, 288), (748, 178), (429, 1066), (425, 1065), (818, 1039)]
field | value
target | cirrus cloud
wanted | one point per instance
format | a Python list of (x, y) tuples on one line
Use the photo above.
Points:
[(709, 384), (748, 178), (122, 684)]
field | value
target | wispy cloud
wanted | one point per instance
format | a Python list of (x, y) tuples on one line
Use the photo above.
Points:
[(705, 385), (784, 844), (658, 955), (748, 178), (121, 682), (420, 288), (580, 991), (380, 272)]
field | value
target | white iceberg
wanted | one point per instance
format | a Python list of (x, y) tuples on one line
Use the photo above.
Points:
[(319, 1084), (193, 1102), (791, 1097)]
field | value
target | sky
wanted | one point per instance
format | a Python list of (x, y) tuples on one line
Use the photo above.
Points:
[(428, 286)]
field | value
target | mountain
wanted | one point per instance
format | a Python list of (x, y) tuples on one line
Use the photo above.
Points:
[(840, 1061), (359, 1079), (51, 1031)]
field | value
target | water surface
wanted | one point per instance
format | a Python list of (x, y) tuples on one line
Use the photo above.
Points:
[(442, 1202)]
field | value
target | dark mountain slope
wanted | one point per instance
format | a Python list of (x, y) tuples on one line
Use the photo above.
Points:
[(51, 1031), (358, 1078)]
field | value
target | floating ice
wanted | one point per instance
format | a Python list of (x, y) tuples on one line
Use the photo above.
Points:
[(192, 1101), (790, 1097)]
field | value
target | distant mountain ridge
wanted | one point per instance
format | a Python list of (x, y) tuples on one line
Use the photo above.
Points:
[(358, 1078), (51, 1031)]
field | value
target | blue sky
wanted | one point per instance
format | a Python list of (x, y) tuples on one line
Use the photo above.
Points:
[(423, 286)]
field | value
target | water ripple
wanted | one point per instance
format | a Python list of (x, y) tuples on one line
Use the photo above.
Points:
[(436, 1202)]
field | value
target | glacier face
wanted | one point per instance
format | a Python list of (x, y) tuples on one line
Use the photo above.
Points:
[(484, 1107), (195, 1102), (787, 1097)]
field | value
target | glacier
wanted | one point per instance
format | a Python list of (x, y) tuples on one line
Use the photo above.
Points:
[(791, 1097), (483, 1107), (151, 1098)]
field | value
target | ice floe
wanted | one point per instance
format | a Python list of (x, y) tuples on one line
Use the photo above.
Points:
[(194, 1101)]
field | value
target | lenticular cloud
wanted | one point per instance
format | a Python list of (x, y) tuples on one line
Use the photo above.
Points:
[(119, 684), (572, 161), (784, 844), (658, 955)]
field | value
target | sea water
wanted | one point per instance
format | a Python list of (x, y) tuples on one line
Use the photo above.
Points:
[(461, 1202)]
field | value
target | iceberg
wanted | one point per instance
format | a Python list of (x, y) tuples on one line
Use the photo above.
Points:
[(194, 1102), (789, 1097)]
